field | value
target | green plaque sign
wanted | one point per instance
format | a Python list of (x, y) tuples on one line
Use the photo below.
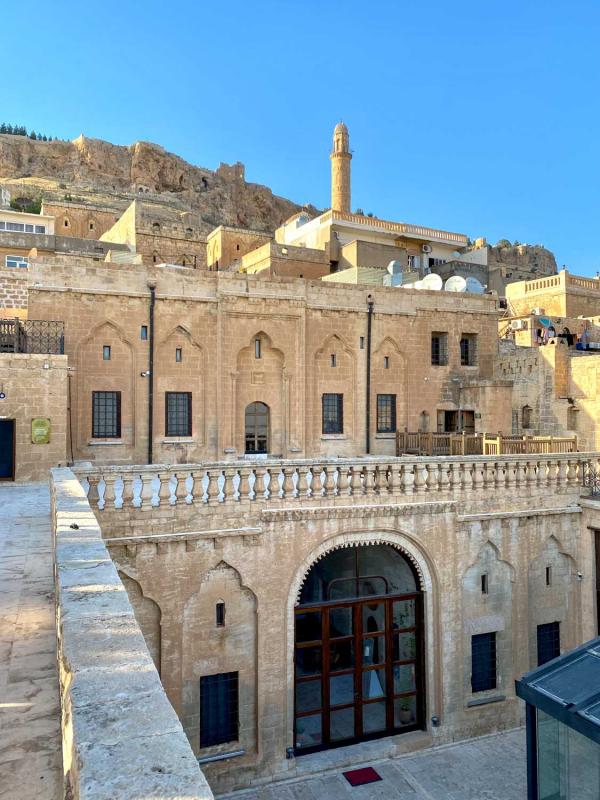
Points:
[(40, 430)]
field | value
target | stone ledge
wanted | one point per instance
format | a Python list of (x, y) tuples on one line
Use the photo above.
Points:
[(121, 736)]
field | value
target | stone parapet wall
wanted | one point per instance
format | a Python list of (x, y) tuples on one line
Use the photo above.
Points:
[(13, 290), (121, 737)]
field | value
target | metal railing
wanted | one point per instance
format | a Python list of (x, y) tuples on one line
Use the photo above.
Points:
[(591, 478), (32, 336), (480, 444)]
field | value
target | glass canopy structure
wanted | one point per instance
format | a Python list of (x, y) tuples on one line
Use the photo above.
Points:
[(563, 726)]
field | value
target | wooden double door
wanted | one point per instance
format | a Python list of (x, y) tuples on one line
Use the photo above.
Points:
[(358, 670)]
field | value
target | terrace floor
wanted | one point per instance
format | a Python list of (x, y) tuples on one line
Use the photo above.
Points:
[(30, 739), (489, 768)]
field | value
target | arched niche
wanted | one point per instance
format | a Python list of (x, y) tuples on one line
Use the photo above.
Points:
[(148, 616)]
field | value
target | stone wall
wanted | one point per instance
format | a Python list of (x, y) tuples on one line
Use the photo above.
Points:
[(13, 290), (33, 389), (121, 737), (313, 340), (456, 519)]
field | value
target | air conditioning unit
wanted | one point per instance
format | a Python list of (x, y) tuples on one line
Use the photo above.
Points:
[(538, 312), (519, 324), (426, 248), (593, 345)]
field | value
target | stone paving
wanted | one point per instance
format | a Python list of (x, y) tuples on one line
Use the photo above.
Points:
[(30, 743), (490, 768)]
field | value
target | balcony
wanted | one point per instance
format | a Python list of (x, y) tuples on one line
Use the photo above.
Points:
[(42, 337)]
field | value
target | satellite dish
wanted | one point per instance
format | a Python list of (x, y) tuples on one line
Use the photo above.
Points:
[(415, 285), (474, 286), (394, 267), (432, 282), (456, 283)]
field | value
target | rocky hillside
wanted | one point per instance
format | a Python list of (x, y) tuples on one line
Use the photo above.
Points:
[(95, 171), (523, 256)]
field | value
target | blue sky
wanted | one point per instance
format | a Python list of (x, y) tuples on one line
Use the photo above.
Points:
[(476, 116)]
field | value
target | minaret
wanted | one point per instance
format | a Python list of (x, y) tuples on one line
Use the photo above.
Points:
[(340, 169)]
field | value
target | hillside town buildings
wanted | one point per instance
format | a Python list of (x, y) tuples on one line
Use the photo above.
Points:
[(342, 509)]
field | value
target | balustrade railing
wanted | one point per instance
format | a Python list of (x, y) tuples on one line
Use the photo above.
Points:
[(478, 444), (46, 337), (316, 482)]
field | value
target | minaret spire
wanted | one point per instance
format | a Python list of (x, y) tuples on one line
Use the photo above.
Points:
[(340, 169)]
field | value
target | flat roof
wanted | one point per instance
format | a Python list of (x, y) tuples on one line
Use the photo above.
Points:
[(568, 689)]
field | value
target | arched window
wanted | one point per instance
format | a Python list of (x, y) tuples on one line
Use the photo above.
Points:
[(257, 428)]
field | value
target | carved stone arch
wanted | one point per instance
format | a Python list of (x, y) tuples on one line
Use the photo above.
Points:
[(388, 342), (488, 547), (95, 374), (209, 649), (407, 544), (148, 615), (326, 346), (552, 541), (266, 345), (183, 331)]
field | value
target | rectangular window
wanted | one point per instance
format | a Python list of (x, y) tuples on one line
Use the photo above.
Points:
[(549, 576), (40, 229), (15, 226), (333, 413), (333, 360), (439, 349), (28, 228), (484, 584), (257, 349), (548, 642), (144, 332), (386, 362), (2, 226), (220, 615), (178, 355), (106, 415), (386, 413), (106, 352), (219, 715), (468, 349), (362, 342), (178, 413), (17, 261), (483, 662)]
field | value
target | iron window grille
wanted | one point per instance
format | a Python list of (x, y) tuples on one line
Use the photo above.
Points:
[(219, 709), (483, 662), (178, 413), (548, 642), (333, 413), (106, 415), (386, 413), (439, 349)]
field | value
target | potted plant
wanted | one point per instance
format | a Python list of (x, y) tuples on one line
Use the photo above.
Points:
[(405, 713)]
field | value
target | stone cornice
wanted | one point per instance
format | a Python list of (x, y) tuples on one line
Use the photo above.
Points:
[(529, 512), (369, 510)]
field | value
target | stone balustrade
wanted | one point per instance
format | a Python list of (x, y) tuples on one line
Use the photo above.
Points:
[(396, 227), (327, 481), (121, 736)]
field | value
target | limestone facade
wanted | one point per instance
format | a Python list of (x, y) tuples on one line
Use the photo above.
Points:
[(187, 547), (35, 386), (234, 340)]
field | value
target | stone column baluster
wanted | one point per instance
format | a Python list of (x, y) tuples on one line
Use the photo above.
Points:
[(391, 479), (420, 478), (127, 491), (164, 491), (181, 491), (93, 493), (306, 481), (511, 475), (209, 487), (244, 485), (147, 490), (574, 469), (521, 475), (444, 477), (109, 492), (408, 478), (264, 483), (543, 472), (563, 467)]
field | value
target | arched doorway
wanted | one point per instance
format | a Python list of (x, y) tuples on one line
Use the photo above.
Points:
[(358, 657), (257, 428)]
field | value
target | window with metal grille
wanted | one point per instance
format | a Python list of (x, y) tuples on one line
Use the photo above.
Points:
[(386, 413), (439, 349), (333, 413), (483, 662), (548, 642), (468, 349), (219, 716), (106, 415), (178, 413)]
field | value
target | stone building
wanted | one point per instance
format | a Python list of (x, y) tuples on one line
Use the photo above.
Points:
[(245, 365), (294, 606)]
